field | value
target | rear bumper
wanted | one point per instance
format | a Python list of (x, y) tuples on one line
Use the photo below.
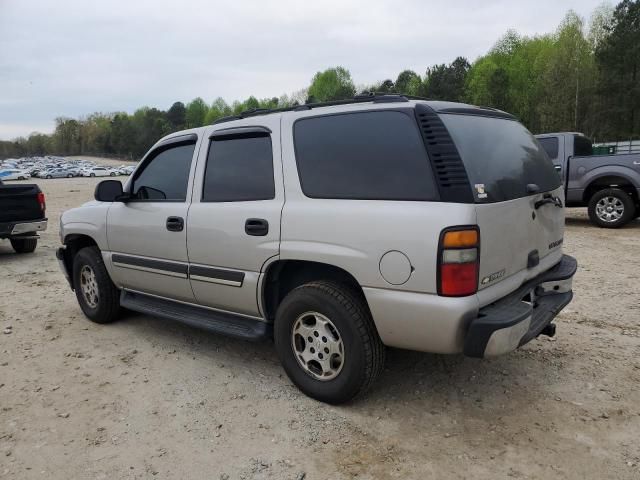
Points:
[(522, 315), (10, 229)]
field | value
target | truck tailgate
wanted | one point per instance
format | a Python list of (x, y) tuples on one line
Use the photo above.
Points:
[(19, 203)]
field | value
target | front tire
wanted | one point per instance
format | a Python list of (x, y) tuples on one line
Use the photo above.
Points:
[(24, 245), (49, 177), (611, 208), (98, 297), (92, 175), (327, 342)]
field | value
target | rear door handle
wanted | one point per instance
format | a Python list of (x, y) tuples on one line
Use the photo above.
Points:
[(256, 227), (175, 224)]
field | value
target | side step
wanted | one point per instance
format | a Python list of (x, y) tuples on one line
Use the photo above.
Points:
[(237, 326)]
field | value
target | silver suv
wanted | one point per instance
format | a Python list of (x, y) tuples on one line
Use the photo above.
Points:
[(335, 229)]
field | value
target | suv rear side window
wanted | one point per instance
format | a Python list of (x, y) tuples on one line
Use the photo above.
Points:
[(165, 177), (550, 145), (501, 157), (365, 156), (239, 169)]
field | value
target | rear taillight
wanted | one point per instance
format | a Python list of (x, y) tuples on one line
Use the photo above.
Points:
[(458, 261), (41, 202)]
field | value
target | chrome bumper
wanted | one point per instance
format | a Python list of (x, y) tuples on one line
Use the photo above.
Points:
[(28, 227), (521, 316)]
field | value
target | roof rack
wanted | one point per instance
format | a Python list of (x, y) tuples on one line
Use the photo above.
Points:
[(375, 97)]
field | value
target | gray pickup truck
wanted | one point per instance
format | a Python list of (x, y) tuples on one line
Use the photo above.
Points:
[(609, 185)]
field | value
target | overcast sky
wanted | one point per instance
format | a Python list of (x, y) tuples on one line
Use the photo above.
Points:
[(74, 57)]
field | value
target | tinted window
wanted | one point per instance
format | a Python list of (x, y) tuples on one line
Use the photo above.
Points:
[(501, 157), (239, 169), (582, 146), (368, 155), (166, 175), (550, 145)]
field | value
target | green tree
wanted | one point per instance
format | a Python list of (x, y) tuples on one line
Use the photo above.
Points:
[(447, 82), (177, 116), (332, 84), (408, 82), (218, 109), (196, 113), (618, 63)]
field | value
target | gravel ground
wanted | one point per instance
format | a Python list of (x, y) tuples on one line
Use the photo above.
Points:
[(145, 398)]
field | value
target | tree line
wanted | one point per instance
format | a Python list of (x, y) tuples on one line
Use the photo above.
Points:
[(585, 76)]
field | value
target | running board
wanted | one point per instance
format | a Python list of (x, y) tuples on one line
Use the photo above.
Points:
[(225, 323)]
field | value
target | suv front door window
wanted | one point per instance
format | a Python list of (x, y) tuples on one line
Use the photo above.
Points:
[(147, 234)]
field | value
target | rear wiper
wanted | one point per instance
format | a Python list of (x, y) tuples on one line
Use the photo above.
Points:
[(548, 199)]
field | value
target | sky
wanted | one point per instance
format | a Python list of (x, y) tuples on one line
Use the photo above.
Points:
[(74, 57)]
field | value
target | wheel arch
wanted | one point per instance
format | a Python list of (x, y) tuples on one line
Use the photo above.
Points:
[(282, 276), (74, 242), (610, 180)]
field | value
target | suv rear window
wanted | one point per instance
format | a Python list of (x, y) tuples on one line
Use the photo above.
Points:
[(363, 155), (501, 157)]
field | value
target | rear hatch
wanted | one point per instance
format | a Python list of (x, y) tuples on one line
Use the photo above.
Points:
[(19, 203), (510, 174)]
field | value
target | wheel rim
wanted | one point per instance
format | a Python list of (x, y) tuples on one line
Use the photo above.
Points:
[(317, 346), (609, 209), (89, 286)]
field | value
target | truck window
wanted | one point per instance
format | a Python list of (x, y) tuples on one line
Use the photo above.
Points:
[(364, 155), (239, 169), (165, 176), (501, 157), (582, 146), (550, 145)]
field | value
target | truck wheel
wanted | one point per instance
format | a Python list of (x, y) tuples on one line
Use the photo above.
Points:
[(24, 245), (98, 297), (611, 208), (327, 342)]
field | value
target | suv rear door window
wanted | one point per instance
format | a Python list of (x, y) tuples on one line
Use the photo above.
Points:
[(501, 157), (365, 155), (239, 169)]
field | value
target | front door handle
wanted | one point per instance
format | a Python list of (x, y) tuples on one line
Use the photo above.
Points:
[(175, 224), (256, 227)]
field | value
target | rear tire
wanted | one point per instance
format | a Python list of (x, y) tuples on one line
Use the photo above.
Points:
[(49, 177), (98, 297), (611, 208), (327, 376), (24, 245)]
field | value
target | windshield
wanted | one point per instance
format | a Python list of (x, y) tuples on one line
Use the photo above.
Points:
[(501, 157)]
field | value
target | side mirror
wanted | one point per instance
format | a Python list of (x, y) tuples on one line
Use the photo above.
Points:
[(108, 191)]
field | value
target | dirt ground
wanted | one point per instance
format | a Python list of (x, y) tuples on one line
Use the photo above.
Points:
[(146, 398)]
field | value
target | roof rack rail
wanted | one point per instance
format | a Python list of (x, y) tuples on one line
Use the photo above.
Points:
[(375, 97)]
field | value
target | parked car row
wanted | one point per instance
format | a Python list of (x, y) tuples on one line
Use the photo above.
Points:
[(57, 167)]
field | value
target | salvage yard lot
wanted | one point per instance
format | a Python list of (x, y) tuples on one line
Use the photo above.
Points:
[(145, 398)]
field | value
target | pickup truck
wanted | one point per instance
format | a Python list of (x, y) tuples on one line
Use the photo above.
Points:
[(22, 215), (609, 185)]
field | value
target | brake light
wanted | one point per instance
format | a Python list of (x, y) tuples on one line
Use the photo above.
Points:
[(458, 261), (41, 201)]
